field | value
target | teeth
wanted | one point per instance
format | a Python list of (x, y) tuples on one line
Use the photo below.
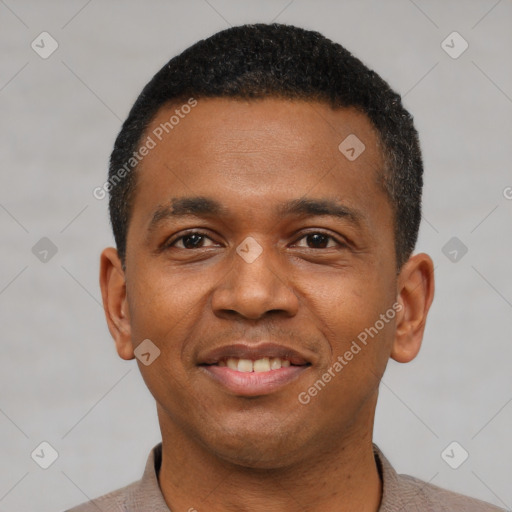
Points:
[(245, 365), (264, 364), (232, 363), (275, 363)]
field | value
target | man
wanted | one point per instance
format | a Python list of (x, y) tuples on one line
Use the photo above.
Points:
[(265, 197)]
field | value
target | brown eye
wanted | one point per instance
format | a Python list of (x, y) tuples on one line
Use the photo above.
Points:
[(193, 240), (319, 241)]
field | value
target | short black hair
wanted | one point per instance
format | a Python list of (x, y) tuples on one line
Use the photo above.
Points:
[(282, 61)]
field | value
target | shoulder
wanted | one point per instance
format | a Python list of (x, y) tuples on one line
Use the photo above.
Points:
[(424, 496), (115, 501), (143, 494), (409, 494)]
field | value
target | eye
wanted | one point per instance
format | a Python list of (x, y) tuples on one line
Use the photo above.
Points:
[(319, 240), (192, 240)]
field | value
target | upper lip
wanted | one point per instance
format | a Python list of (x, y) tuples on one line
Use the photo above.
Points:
[(243, 350)]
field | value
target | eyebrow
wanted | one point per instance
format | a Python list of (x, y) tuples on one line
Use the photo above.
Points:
[(201, 206), (319, 207)]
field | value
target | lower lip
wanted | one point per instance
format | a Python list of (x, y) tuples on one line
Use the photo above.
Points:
[(253, 383)]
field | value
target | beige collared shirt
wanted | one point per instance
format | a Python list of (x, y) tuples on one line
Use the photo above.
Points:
[(401, 493)]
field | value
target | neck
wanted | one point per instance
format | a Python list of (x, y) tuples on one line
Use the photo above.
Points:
[(341, 477)]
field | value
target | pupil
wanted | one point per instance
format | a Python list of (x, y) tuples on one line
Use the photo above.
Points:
[(195, 237), (318, 238)]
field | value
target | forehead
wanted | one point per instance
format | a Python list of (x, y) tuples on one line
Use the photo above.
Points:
[(258, 151), (305, 127)]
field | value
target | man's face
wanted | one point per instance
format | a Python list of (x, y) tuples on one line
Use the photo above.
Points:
[(262, 266)]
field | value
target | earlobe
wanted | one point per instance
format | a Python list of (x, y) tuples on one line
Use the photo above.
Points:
[(415, 295), (115, 301)]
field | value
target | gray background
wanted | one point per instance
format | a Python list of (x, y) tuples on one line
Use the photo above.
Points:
[(60, 378)]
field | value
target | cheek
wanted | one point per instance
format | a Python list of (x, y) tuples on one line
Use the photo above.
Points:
[(164, 308), (357, 311), (360, 344), (164, 302)]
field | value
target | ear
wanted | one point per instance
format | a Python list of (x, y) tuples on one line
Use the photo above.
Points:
[(115, 301), (415, 295)]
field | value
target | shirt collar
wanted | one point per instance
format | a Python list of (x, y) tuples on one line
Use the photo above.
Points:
[(148, 496), (391, 496)]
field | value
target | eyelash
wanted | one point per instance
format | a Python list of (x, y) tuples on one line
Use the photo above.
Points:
[(171, 243)]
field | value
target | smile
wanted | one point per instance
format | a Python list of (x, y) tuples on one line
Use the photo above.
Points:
[(264, 364), (251, 378), (249, 370)]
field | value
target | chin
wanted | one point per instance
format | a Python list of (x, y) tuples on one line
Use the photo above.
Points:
[(259, 448), (259, 457)]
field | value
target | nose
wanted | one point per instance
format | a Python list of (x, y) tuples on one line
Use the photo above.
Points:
[(255, 288)]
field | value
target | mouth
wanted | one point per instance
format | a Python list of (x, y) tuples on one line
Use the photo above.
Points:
[(265, 364), (248, 371)]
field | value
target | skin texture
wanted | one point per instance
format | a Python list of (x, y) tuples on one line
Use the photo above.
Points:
[(222, 451)]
